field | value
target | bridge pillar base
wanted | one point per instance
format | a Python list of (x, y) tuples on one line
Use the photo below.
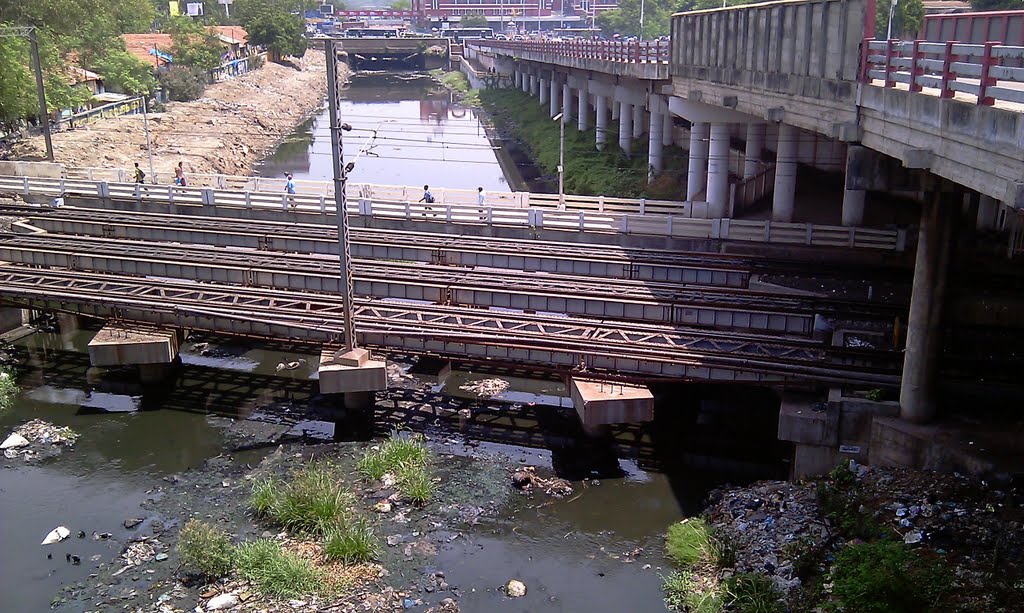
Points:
[(697, 171), (599, 403), (118, 345), (988, 211), (351, 373)]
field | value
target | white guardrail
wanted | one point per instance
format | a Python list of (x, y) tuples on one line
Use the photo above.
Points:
[(473, 214)]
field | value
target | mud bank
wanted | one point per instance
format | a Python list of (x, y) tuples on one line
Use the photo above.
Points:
[(233, 126)]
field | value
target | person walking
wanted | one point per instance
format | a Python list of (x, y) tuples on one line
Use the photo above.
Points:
[(140, 177), (289, 188), (481, 195), (179, 174), (427, 198)]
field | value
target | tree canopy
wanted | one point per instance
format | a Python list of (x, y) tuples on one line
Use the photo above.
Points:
[(195, 44), (997, 5), (277, 25), (906, 20), (625, 20), (473, 21)]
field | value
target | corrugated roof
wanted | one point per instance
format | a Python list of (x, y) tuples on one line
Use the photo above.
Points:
[(140, 45)]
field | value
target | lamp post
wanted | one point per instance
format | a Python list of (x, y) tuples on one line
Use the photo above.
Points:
[(892, 13), (561, 161), (641, 20)]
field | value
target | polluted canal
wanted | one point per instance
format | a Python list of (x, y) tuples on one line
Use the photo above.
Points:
[(148, 458)]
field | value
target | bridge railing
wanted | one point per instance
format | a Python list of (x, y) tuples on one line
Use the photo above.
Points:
[(634, 52), (582, 221), (948, 67)]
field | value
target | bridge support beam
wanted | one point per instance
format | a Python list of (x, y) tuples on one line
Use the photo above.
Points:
[(583, 111), (853, 197), (638, 120), (600, 403), (566, 103), (544, 91), (625, 129), (718, 170), (553, 97), (151, 349), (755, 145), (988, 211), (785, 173), (697, 171), (534, 86), (654, 149), (601, 120), (616, 109), (353, 374), (928, 294), (667, 126)]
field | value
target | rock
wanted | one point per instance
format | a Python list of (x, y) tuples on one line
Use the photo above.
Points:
[(133, 522), (394, 539), (515, 588), (913, 537), (160, 557), (14, 441), (382, 507), (56, 535), (388, 480), (522, 479), (224, 601)]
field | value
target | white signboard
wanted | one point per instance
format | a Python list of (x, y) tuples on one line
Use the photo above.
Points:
[(194, 9), (225, 1)]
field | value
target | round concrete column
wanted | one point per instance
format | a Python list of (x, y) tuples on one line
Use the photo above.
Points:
[(554, 99), (785, 173), (654, 148), (601, 120), (928, 293), (853, 199), (625, 129), (718, 170), (667, 126), (583, 112), (566, 103), (755, 145), (697, 171), (988, 211), (534, 85), (616, 109), (638, 120), (545, 91)]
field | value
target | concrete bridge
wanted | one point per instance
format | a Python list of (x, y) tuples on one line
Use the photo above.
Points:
[(383, 52)]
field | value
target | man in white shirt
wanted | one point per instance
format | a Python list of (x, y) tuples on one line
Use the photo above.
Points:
[(480, 196)]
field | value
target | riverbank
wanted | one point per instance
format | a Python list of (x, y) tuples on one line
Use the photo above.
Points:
[(858, 540), (525, 125), (233, 126)]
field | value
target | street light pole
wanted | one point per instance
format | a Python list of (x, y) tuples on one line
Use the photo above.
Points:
[(892, 13), (149, 148), (561, 161), (44, 115), (340, 179), (641, 19)]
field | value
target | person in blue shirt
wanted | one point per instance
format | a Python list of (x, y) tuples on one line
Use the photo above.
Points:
[(289, 188)]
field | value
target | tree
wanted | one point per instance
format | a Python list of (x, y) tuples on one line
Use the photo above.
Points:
[(401, 5), (997, 5), (474, 21), (277, 25), (906, 21), (195, 44), (125, 72)]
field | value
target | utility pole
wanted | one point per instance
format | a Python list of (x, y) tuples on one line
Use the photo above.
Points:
[(149, 147), (561, 161), (29, 32), (340, 179), (641, 20), (892, 13)]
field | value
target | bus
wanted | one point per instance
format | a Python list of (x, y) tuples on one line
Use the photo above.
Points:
[(460, 34), (372, 33)]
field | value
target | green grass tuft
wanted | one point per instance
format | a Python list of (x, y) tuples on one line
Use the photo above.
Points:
[(205, 549), (889, 577), (312, 501), (752, 593), (683, 594), (393, 455), (8, 388), (692, 542), (278, 573), (351, 544), (264, 495), (416, 484)]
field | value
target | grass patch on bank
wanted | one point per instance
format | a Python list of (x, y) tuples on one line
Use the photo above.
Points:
[(888, 577), (408, 459), (277, 572), (693, 542), (353, 543), (683, 594), (8, 388), (205, 549), (312, 501), (752, 593), (457, 82), (587, 171)]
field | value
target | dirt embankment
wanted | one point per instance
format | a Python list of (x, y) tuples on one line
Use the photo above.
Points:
[(228, 130)]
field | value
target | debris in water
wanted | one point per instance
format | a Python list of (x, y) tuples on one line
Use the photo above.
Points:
[(14, 441), (56, 535), (515, 588), (486, 387)]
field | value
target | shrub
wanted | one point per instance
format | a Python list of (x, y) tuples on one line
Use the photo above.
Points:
[(184, 83), (352, 543), (840, 499), (752, 593), (311, 502), (415, 483), (887, 577), (692, 542), (394, 454), (205, 549), (455, 81), (874, 395), (682, 593), (276, 572), (8, 388)]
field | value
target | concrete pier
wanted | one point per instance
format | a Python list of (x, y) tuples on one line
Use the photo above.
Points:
[(544, 90), (718, 170), (785, 173), (600, 403), (555, 101), (754, 147), (625, 129), (566, 104), (638, 121), (853, 198), (601, 120), (583, 111), (697, 172), (151, 349), (353, 374)]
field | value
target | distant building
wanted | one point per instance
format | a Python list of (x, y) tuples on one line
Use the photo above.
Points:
[(152, 48), (86, 78), (524, 14)]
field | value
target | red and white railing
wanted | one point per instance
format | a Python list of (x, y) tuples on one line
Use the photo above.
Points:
[(950, 67), (655, 51)]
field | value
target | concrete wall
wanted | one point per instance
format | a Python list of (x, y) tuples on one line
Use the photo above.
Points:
[(31, 169)]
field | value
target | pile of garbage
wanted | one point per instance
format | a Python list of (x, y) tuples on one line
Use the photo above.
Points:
[(37, 437), (526, 479), (485, 388)]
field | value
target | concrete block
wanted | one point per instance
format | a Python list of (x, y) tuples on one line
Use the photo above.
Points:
[(116, 345), (813, 461), (602, 402), (918, 158), (337, 378), (47, 170), (800, 423)]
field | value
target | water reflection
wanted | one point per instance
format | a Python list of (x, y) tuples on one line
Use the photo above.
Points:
[(406, 131)]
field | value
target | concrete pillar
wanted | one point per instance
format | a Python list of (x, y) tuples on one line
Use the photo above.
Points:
[(853, 199), (351, 373), (668, 125), (785, 173), (988, 211), (603, 402), (566, 103), (718, 169), (554, 98), (638, 121), (616, 109), (534, 85), (152, 349), (755, 145), (654, 148), (697, 171), (583, 112), (601, 120), (928, 293), (625, 129), (545, 89)]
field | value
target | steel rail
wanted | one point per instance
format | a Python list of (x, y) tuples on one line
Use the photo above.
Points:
[(651, 350)]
